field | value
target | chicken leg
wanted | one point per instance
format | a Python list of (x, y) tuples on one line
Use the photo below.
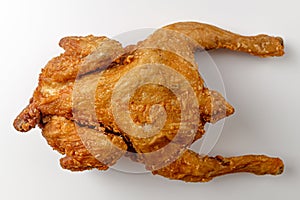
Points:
[(191, 167)]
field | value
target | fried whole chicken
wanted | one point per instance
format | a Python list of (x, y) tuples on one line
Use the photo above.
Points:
[(98, 101)]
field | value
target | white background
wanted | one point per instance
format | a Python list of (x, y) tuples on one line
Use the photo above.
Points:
[(265, 93)]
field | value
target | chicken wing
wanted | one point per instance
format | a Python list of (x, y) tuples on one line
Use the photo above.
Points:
[(65, 136)]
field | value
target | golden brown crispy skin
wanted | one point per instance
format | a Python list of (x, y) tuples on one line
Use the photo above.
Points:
[(53, 96), (192, 167), (211, 37), (65, 136), (78, 104)]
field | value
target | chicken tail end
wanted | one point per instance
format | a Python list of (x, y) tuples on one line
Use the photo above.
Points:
[(217, 108)]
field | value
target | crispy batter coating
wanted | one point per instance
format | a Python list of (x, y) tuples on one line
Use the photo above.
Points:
[(98, 100), (211, 37), (65, 136), (192, 167), (53, 96)]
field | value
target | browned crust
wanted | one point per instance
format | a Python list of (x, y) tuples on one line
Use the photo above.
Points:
[(191, 167), (28, 118), (51, 105), (53, 94), (212, 37), (65, 137)]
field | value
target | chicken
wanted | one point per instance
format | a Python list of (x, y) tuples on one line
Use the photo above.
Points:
[(98, 101)]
